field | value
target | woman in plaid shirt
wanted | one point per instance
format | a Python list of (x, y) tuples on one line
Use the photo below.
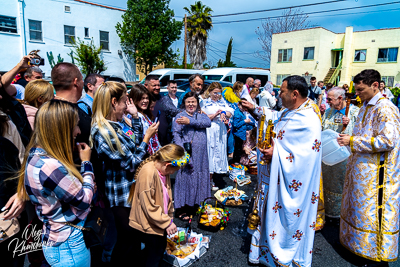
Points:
[(118, 155), (50, 180)]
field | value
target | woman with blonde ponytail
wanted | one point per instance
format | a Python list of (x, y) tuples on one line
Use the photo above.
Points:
[(60, 193), (37, 92), (151, 216), (117, 156)]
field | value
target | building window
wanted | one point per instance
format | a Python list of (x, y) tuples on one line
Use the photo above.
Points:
[(35, 30), (285, 55), (86, 32), (389, 80), (308, 53), (8, 24), (104, 41), (388, 54), (280, 78), (69, 34), (360, 55)]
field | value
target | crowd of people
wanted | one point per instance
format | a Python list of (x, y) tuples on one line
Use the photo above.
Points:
[(64, 155)]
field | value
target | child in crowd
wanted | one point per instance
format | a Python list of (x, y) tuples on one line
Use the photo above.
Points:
[(151, 215), (242, 122)]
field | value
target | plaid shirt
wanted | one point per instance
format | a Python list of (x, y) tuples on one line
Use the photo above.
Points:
[(118, 169), (58, 197)]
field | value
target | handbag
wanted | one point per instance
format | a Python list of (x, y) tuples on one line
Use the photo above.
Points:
[(188, 145), (8, 228), (95, 227)]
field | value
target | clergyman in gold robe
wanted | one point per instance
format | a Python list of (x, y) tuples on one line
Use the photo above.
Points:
[(369, 218)]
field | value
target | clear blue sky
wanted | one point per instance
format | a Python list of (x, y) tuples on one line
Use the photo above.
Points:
[(245, 41)]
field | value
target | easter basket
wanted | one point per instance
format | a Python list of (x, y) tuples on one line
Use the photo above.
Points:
[(230, 196), (235, 170), (212, 215)]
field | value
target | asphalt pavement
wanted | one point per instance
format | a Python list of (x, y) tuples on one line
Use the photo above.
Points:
[(230, 247)]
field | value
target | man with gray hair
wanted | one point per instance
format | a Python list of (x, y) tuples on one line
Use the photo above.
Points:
[(31, 74), (335, 118)]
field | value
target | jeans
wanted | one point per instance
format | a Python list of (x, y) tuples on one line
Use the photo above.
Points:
[(72, 252)]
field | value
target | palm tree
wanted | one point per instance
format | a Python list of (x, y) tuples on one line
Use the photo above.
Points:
[(199, 23)]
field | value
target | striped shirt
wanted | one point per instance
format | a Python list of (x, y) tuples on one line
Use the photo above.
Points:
[(57, 196)]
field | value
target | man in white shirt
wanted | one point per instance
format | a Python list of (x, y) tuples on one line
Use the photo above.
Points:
[(172, 88)]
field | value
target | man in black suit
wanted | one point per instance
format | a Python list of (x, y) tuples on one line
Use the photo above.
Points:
[(166, 109)]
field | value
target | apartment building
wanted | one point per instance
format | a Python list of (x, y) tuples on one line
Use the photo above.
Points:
[(336, 57)]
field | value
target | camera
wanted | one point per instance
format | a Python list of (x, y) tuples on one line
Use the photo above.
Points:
[(37, 61)]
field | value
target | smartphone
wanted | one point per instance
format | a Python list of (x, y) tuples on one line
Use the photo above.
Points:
[(158, 116)]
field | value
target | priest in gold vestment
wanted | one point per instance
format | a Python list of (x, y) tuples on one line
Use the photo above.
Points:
[(369, 225)]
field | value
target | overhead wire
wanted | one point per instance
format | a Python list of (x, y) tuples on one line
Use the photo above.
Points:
[(308, 13), (278, 8)]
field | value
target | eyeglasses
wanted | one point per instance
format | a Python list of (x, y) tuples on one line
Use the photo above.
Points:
[(217, 93), (329, 99)]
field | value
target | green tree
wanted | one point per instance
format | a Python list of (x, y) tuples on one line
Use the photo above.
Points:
[(199, 23), (228, 62), (88, 57), (147, 32)]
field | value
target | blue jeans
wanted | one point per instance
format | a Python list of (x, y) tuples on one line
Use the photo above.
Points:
[(72, 252)]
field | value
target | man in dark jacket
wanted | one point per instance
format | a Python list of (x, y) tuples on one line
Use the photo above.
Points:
[(166, 110)]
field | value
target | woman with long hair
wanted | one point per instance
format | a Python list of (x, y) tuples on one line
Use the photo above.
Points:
[(37, 93), (219, 113), (143, 100), (49, 179), (151, 216), (118, 156), (192, 183)]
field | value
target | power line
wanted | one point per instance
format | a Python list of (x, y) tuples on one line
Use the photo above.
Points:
[(309, 13), (278, 8), (232, 47), (215, 52)]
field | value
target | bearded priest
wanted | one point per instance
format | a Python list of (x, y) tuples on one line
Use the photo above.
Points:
[(369, 218), (290, 182)]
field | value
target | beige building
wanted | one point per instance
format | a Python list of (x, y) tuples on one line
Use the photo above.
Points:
[(335, 57)]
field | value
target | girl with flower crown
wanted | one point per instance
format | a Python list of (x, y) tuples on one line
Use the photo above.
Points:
[(151, 215)]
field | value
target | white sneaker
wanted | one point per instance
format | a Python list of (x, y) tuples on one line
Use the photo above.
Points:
[(214, 187)]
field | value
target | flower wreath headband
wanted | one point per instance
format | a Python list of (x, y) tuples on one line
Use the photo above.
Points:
[(182, 161)]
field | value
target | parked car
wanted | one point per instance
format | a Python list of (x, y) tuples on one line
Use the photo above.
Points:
[(233, 75), (183, 84), (164, 75)]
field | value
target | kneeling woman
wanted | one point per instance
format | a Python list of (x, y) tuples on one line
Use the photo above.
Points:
[(151, 201), (59, 192)]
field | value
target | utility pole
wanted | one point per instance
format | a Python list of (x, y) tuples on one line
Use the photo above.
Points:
[(184, 50)]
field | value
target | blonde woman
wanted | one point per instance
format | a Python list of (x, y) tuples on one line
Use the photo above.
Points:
[(151, 216), (37, 93), (118, 156), (60, 193), (219, 112), (253, 95)]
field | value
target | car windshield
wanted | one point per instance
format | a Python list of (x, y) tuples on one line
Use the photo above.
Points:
[(213, 77)]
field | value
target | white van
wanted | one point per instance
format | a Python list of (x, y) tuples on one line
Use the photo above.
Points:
[(165, 75), (233, 75)]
